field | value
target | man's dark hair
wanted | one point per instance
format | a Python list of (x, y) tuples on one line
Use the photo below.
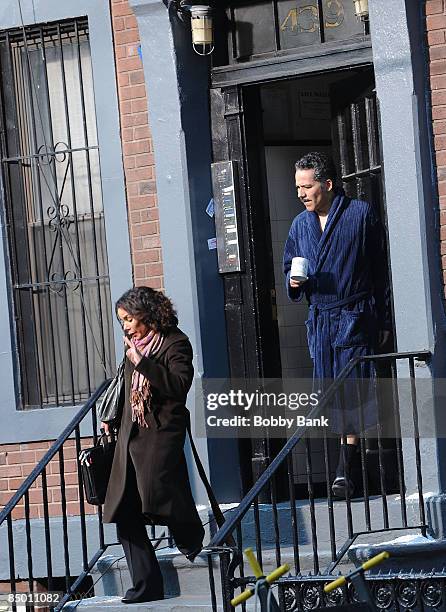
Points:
[(149, 306), (322, 165)]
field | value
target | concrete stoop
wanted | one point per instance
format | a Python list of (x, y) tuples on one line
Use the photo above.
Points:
[(113, 604), (111, 576), (187, 584)]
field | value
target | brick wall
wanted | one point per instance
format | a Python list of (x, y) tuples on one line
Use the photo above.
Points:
[(137, 150), (436, 36)]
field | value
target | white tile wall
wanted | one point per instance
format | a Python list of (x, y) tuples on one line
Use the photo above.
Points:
[(284, 206)]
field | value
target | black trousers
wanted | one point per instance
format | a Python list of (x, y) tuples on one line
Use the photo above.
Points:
[(139, 553)]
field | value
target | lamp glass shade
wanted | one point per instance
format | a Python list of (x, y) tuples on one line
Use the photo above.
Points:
[(361, 8), (202, 30)]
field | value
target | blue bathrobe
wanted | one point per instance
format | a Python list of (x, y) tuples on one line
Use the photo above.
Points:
[(347, 290)]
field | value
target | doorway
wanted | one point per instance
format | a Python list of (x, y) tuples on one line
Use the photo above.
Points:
[(265, 128), (333, 114), (316, 113)]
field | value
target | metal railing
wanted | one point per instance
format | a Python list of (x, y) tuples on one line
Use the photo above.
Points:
[(297, 533), (319, 528), (58, 532)]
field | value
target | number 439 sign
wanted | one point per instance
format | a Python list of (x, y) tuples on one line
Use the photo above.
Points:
[(306, 18)]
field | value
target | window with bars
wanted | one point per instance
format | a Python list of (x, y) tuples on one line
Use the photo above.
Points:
[(53, 209)]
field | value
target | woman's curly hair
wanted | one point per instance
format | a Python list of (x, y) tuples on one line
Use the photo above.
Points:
[(149, 306)]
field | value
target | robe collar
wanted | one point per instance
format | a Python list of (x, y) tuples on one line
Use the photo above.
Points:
[(320, 237)]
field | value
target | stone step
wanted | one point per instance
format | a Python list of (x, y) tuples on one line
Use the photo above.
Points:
[(111, 576), (189, 580), (185, 603)]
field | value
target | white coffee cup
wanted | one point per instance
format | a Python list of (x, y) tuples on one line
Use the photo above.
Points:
[(299, 269)]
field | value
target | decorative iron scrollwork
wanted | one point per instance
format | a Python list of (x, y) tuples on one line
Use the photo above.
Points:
[(335, 598), (407, 594), (311, 596), (59, 217), (61, 283), (290, 598), (60, 155), (431, 593), (383, 595), (46, 155), (352, 594)]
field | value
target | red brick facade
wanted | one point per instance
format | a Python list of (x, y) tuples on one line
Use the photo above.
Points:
[(436, 36), (17, 460), (137, 147)]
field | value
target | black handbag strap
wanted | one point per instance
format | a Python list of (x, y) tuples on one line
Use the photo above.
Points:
[(218, 514)]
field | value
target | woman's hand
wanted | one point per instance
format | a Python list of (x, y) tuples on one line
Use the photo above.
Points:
[(132, 352), (105, 427)]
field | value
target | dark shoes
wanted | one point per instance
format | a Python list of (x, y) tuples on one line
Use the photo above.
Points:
[(346, 472), (341, 486), (130, 597), (191, 556)]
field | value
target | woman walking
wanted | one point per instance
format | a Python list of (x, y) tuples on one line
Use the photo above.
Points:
[(149, 483)]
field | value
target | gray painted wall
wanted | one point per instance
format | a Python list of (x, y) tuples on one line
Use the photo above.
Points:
[(401, 82), (402, 164), (46, 424)]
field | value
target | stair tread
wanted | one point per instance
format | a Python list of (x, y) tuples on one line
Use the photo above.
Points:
[(173, 604)]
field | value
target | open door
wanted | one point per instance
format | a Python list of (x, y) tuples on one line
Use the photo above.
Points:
[(357, 150), (357, 143), (356, 138)]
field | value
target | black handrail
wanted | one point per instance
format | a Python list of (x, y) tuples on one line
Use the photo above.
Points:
[(228, 527), (67, 432)]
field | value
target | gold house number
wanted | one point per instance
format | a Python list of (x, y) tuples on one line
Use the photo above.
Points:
[(306, 18)]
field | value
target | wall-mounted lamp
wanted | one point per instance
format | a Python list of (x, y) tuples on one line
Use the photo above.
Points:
[(202, 29), (201, 25), (361, 9)]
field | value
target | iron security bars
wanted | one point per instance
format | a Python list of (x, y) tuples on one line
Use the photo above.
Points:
[(356, 137), (53, 210)]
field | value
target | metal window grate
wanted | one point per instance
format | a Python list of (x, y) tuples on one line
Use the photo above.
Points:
[(53, 210)]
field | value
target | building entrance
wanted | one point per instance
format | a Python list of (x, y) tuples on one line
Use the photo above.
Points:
[(265, 128)]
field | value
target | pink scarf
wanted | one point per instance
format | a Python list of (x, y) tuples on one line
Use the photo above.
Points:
[(141, 394)]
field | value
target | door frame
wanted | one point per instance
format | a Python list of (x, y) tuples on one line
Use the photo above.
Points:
[(235, 105), (310, 61)]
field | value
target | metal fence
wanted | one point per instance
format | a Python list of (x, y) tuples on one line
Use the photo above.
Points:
[(315, 534)]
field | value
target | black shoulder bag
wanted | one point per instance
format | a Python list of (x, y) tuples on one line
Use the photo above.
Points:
[(110, 408)]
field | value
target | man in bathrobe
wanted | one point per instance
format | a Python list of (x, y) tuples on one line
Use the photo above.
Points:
[(347, 290)]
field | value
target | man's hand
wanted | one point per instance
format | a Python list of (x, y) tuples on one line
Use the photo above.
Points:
[(132, 352), (295, 284)]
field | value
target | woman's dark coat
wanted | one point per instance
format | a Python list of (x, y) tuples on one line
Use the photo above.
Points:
[(157, 452)]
